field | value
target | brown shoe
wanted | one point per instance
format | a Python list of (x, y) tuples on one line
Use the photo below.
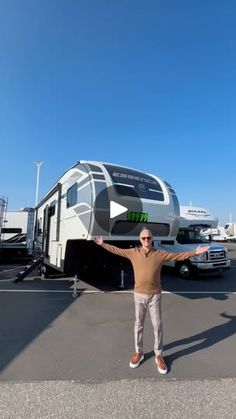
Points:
[(161, 365), (135, 359)]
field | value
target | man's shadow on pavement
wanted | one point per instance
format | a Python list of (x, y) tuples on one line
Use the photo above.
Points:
[(207, 338)]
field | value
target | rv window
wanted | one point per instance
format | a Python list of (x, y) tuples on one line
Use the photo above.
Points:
[(71, 196), (38, 227), (129, 182), (52, 208)]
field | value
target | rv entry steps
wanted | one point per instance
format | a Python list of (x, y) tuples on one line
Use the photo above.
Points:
[(25, 271)]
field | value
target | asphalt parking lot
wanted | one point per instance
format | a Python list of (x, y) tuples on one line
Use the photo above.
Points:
[(48, 336)]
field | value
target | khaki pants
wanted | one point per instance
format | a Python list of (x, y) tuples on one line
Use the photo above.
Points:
[(153, 303)]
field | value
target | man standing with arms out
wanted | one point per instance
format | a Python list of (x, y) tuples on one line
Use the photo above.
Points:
[(147, 262)]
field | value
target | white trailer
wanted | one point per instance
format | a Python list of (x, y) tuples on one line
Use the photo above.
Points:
[(3, 209), (192, 221), (79, 207), (230, 230), (17, 233), (217, 234)]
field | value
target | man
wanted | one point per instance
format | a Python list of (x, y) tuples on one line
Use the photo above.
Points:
[(147, 262)]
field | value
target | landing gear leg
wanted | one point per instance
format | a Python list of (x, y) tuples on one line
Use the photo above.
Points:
[(76, 280)]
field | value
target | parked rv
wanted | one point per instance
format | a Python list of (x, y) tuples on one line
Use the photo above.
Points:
[(230, 231), (16, 238), (78, 207), (216, 234), (192, 221), (3, 209)]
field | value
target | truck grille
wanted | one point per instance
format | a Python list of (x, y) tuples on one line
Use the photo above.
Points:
[(216, 255)]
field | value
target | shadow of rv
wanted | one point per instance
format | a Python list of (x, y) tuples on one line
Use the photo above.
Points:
[(109, 279), (24, 319), (216, 286)]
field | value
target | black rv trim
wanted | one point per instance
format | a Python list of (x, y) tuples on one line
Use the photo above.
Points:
[(11, 230), (94, 168), (98, 176), (58, 212)]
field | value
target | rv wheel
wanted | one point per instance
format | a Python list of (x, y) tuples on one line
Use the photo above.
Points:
[(183, 270)]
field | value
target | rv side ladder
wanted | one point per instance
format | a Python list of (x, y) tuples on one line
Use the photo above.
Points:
[(28, 268)]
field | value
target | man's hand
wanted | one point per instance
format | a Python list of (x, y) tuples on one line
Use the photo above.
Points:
[(98, 240), (201, 249)]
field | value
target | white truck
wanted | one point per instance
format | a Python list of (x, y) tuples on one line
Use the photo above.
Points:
[(192, 221)]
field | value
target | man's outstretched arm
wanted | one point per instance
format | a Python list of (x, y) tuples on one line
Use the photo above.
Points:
[(126, 253), (201, 249), (175, 256)]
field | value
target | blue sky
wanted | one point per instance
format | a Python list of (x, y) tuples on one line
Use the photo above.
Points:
[(148, 84)]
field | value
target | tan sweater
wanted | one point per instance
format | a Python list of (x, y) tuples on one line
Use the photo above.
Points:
[(147, 266)]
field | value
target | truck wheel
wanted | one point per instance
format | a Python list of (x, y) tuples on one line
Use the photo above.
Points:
[(183, 270)]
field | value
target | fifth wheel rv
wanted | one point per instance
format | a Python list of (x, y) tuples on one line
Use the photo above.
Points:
[(78, 208), (192, 221)]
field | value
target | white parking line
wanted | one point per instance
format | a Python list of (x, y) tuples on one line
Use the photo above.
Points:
[(56, 291), (81, 291), (199, 292)]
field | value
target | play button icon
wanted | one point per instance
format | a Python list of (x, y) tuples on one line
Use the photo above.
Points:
[(116, 214), (116, 209)]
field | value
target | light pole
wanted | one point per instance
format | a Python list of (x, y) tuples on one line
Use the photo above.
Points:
[(38, 164)]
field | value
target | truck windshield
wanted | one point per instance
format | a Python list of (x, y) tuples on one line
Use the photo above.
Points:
[(190, 236)]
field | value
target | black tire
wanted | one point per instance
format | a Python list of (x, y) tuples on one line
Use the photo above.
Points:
[(184, 270)]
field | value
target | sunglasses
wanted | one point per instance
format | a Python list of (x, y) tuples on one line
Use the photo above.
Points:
[(146, 238)]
